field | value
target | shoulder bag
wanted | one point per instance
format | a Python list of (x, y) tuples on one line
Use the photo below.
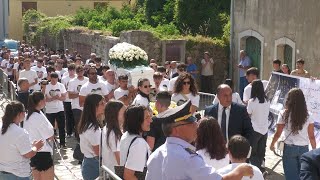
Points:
[(119, 170)]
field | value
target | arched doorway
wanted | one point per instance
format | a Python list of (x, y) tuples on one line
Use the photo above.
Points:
[(252, 42), (285, 51), (253, 50)]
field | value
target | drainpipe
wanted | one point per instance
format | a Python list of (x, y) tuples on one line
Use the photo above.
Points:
[(231, 57)]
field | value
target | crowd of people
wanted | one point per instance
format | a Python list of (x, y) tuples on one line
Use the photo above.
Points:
[(60, 94)]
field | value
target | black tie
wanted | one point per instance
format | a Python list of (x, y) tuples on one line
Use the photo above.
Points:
[(224, 123)]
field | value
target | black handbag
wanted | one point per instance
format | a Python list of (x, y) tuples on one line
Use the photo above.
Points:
[(77, 154), (119, 170)]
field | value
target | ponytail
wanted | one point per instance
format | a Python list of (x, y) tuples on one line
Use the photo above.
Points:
[(12, 110), (33, 101)]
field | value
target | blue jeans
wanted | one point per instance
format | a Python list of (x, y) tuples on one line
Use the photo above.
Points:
[(242, 85), (90, 168), (291, 160), (9, 176)]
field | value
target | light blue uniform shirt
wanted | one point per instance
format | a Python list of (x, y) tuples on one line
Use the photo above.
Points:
[(244, 62), (172, 161)]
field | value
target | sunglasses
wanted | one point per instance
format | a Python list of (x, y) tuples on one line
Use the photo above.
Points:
[(186, 82), (147, 86)]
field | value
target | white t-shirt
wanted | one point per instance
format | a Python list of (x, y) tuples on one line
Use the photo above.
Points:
[(39, 127), (180, 99), (217, 164), (9, 69), (75, 86), (4, 64), (164, 85), (259, 115), (61, 72), (235, 98), (31, 75), (171, 83), (207, 70), (41, 73), (139, 100), (65, 81), (139, 151), (98, 88), (300, 139), (108, 157), (15, 66), (88, 139), (15, 143), (53, 90), (110, 87), (257, 175), (119, 93), (247, 90)]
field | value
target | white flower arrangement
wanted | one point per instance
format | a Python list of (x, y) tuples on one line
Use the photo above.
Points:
[(126, 55)]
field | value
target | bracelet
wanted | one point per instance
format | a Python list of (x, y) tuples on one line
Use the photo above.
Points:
[(34, 149)]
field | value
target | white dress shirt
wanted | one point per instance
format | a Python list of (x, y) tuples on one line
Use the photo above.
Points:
[(220, 110)]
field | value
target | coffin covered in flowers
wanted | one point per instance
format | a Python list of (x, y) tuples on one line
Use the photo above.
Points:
[(125, 58)]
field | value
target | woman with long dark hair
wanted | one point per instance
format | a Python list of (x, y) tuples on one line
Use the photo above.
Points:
[(144, 89), (210, 143), (16, 150), (39, 127), (258, 109), (285, 69), (112, 132), (134, 150), (298, 131), (184, 89), (90, 135)]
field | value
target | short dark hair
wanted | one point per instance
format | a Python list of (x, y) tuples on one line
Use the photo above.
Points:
[(123, 77), (98, 59), (239, 147), (253, 70), (54, 75), (105, 67), (182, 67), (164, 98), (277, 61), (134, 117), (79, 67), (161, 69), (301, 61), (50, 69), (71, 66)]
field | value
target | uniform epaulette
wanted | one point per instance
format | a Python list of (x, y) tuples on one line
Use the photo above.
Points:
[(190, 151)]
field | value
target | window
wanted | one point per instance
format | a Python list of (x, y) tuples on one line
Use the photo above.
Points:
[(28, 5), (100, 4)]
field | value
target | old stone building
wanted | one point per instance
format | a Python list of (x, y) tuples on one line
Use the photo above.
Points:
[(50, 8), (286, 29)]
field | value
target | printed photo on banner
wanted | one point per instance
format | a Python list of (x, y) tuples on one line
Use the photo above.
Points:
[(277, 89)]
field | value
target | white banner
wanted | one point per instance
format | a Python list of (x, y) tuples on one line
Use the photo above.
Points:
[(277, 89)]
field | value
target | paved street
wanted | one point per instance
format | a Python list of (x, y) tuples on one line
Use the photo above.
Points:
[(69, 169)]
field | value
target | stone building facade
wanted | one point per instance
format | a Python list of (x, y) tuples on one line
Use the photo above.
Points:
[(286, 30)]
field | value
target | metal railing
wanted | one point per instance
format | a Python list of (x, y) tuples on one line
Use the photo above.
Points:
[(108, 174), (8, 89), (206, 100)]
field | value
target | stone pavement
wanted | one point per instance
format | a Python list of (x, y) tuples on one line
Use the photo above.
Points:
[(69, 169)]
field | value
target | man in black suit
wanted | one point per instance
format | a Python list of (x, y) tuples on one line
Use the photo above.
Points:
[(310, 165), (233, 118)]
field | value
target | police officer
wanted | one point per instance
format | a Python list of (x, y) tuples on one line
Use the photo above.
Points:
[(177, 159)]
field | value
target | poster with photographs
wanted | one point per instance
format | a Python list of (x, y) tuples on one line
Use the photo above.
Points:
[(277, 89)]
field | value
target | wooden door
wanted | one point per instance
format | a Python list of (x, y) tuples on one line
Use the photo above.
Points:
[(287, 55), (253, 50)]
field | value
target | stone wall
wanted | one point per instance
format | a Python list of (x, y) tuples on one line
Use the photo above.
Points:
[(276, 23), (218, 54), (85, 42)]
